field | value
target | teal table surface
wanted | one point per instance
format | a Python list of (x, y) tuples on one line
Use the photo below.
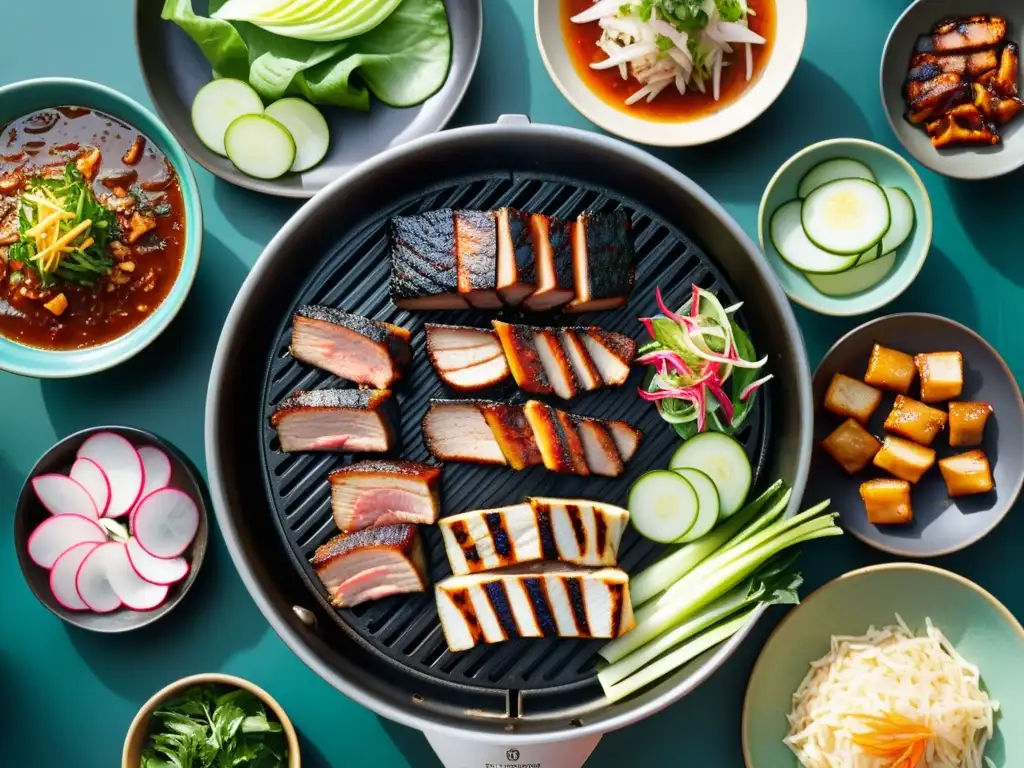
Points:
[(68, 696)]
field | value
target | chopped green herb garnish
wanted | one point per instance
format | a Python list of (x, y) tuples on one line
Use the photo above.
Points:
[(664, 43), (16, 277), (684, 15), (730, 10)]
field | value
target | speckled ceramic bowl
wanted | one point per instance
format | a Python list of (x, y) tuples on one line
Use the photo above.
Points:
[(30, 96)]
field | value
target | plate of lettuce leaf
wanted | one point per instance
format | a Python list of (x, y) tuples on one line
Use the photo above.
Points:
[(380, 72)]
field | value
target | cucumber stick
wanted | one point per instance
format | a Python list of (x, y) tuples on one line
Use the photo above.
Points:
[(846, 216), (724, 460), (663, 505)]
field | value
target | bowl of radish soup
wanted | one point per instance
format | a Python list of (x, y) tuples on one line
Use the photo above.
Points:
[(111, 528)]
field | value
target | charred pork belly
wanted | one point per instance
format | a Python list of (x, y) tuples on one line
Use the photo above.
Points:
[(925, 66), (466, 359), (547, 601), (424, 272), (604, 270), (476, 258), (1007, 78), (381, 492), (559, 442), (626, 437), (552, 248), (513, 432), (456, 430), (517, 267), (341, 420), (937, 96), (523, 358), (350, 346), (553, 356), (371, 564), (957, 35), (587, 375), (963, 125), (570, 531), (599, 448), (993, 107), (612, 353)]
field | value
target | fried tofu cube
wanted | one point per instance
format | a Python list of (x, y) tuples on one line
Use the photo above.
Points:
[(942, 375), (967, 474), (967, 423), (852, 446), (849, 397), (904, 459), (915, 421), (890, 369), (887, 501)]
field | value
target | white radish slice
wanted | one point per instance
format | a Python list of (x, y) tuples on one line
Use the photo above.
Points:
[(166, 522), (133, 591), (56, 535), (63, 496), (156, 468), (65, 572), (92, 580), (156, 570), (121, 463), (91, 476)]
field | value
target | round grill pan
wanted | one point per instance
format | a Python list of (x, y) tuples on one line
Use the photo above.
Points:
[(335, 253)]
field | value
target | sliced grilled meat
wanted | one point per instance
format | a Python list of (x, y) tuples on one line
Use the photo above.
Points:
[(371, 564), (456, 430), (466, 359), (523, 359), (599, 449), (517, 267), (612, 353), (626, 437), (423, 264), (939, 94), (341, 420), (995, 108), (476, 255), (564, 530), (560, 372), (587, 375), (552, 248), (513, 433), (926, 66), (380, 492), (551, 601), (350, 346), (963, 125), (603, 261), (559, 443), (1006, 81), (957, 35)]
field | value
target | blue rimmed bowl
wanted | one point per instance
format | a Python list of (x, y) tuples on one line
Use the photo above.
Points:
[(20, 99)]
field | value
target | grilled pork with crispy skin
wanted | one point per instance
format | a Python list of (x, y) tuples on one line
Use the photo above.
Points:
[(517, 266), (523, 358), (350, 346), (587, 375), (371, 564), (549, 601), (603, 261), (552, 248), (341, 420), (968, 34), (456, 430), (599, 448), (612, 353), (382, 492), (466, 359), (1007, 78), (927, 66), (571, 531), (559, 442), (513, 433), (476, 257), (423, 263)]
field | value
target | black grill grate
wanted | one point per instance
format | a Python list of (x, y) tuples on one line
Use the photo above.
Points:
[(536, 674)]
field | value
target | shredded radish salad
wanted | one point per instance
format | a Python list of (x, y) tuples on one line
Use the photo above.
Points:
[(680, 43), (704, 367)]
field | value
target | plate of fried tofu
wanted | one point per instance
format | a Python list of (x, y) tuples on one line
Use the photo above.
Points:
[(919, 426)]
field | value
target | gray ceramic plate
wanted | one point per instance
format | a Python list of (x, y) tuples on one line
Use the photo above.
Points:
[(941, 525), (964, 162), (30, 513), (174, 70)]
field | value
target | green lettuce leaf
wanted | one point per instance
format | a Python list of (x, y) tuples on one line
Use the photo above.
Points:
[(219, 41)]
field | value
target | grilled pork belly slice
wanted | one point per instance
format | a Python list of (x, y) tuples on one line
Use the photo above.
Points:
[(571, 531), (423, 263), (517, 268), (612, 353), (466, 359), (966, 34), (552, 248), (350, 346), (382, 492), (513, 433), (626, 437), (476, 256), (560, 372), (371, 564), (523, 358), (587, 375), (341, 420), (556, 436), (603, 261), (456, 430), (551, 601), (599, 449)]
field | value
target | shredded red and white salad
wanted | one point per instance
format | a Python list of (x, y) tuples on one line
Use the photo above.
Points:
[(704, 367)]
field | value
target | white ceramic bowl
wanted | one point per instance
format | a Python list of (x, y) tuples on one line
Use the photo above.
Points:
[(790, 31)]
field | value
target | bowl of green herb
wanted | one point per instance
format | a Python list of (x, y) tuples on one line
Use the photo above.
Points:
[(211, 720)]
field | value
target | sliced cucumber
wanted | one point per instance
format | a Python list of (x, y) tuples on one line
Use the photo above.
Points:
[(662, 505), (787, 234), (260, 147), (901, 209), (847, 216), (868, 256), (833, 170), (217, 105), (307, 127), (707, 500), (724, 460), (858, 279)]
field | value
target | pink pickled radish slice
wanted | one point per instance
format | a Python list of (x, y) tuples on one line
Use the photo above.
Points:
[(88, 474), (63, 496), (56, 535), (93, 581), (133, 590), (122, 466), (166, 522), (156, 570), (64, 573)]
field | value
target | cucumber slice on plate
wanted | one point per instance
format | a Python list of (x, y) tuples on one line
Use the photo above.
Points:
[(724, 460), (847, 216), (218, 104), (901, 209), (662, 505), (307, 126), (259, 146), (787, 235), (868, 256), (833, 170), (858, 279), (707, 500)]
